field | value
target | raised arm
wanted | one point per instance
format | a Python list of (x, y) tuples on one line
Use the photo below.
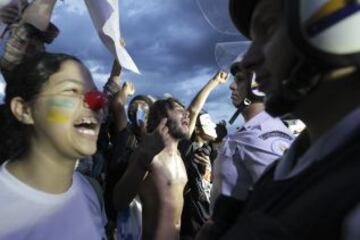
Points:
[(38, 13), (118, 105), (128, 186), (112, 86), (198, 102), (118, 96)]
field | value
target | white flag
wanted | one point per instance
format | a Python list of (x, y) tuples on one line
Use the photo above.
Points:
[(105, 16)]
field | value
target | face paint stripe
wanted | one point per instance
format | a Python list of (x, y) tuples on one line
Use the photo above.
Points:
[(61, 103), (55, 117)]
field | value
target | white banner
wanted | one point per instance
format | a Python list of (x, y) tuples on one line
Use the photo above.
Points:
[(105, 17)]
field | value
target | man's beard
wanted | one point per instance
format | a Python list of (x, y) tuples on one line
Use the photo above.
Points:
[(175, 130)]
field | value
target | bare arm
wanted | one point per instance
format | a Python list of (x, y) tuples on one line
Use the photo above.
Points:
[(128, 186), (112, 85), (39, 13), (198, 102), (116, 69), (118, 105), (118, 96)]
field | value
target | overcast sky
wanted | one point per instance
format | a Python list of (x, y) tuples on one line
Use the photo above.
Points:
[(169, 40)]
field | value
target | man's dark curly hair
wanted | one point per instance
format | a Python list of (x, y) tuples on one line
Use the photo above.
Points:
[(159, 110)]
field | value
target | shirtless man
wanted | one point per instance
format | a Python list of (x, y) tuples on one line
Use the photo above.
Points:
[(161, 180)]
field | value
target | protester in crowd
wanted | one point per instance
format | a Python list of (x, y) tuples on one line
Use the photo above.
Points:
[(50, 118), (303, 48), (198, 186), (125, 138), (137, 112), (160, 180), (200, 98), (29, 31), (198, 155)]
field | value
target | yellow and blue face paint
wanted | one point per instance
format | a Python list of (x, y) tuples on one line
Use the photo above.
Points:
[(65, 103), (54, 115)]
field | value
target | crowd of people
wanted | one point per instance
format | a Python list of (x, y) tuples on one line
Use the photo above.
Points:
[(80, 163)]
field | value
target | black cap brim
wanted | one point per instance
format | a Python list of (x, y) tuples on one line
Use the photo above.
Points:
[(241, 12)]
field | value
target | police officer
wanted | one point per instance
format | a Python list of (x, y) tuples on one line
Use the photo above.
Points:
[(306, 54), (247, 152)]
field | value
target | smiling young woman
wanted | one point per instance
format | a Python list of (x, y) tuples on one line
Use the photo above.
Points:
[(50, 118)]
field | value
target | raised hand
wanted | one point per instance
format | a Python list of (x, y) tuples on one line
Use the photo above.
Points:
[(202, 159), (221, 77), (10, 13), (128, 88), (204, 164), (153, 143)]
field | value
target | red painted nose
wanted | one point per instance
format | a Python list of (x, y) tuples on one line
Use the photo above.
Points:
[(95, 100)]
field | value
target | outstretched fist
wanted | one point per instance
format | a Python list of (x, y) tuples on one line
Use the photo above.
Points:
[(11, 13), (221, 77), (128, 88)]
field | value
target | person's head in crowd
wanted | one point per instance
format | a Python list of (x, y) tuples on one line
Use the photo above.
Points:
[(205, 128), (138, 112), (51, 105), (259, 24), (245, 94), (176, 114), (299, 50)]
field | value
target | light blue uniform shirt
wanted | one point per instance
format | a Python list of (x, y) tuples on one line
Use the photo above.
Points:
[(245, 155)]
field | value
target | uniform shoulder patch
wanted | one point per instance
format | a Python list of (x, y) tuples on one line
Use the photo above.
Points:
[(279, 146)]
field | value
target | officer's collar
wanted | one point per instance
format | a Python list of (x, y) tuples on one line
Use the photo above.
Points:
[(256, 121)]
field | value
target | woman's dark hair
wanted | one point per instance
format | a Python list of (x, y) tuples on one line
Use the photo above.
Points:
[(159, 110), (25, 81)]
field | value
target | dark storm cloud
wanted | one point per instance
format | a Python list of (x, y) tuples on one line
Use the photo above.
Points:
[(162, 36), (170, 41), (176, 36)]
